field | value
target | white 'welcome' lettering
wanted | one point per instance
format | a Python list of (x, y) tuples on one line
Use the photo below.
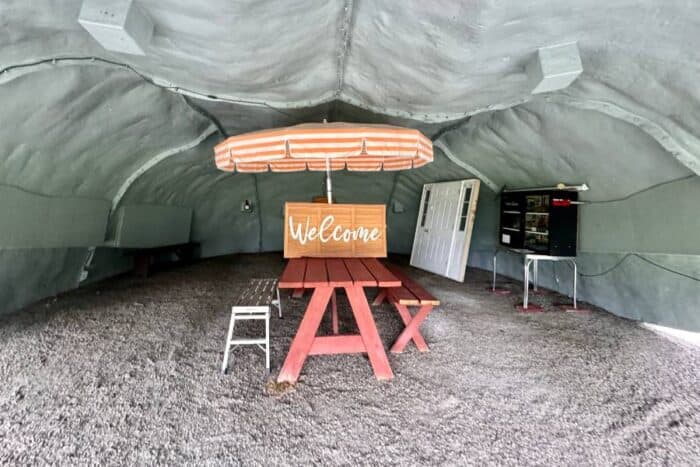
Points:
[(327, 232)]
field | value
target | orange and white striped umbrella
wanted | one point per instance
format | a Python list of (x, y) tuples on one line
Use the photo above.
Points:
[(325, 146)]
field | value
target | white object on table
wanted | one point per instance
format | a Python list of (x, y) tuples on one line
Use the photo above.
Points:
[(530, 257)]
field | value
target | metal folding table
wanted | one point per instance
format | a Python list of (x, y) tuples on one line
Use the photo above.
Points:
[(530, 257)]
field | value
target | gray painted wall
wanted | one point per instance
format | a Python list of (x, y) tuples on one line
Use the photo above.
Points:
[(27, 275), (149, 226), (662, 220), (624, 284), (31, 220)]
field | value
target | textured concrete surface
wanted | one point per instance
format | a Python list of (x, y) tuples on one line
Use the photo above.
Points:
[(126, 371)]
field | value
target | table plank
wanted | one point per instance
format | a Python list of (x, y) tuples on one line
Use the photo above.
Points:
[(338, 275), (293, 275), (316, 274), (360, 275), (385, 278), (328, 345)]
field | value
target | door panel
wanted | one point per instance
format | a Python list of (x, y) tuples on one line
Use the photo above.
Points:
[(444, 227)]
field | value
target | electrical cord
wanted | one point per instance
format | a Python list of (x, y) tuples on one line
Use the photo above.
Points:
[(643, 258), (616, 265), (665, 268), (626, 197)]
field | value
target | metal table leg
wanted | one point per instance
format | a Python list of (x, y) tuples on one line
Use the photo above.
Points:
[(526, 282), (493, 286), (575, 279)]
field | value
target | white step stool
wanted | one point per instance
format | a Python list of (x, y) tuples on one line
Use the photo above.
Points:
[(253, 303)]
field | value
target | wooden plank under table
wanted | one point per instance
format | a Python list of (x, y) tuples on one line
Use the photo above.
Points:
[(324, 276)]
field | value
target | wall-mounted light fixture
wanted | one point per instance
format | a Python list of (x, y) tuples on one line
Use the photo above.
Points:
[(397, 207), (246, 206)]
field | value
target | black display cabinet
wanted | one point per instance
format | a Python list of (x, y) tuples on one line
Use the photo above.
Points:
[(543, 221)]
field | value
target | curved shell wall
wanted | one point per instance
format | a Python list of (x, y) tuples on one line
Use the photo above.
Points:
[(93, 141)]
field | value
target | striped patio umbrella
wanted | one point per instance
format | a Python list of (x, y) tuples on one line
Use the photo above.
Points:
[(325, 147)]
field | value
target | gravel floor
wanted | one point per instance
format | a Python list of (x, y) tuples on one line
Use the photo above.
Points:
[(126, 372)]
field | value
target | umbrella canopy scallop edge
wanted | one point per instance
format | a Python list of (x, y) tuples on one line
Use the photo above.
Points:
[(325, 147)]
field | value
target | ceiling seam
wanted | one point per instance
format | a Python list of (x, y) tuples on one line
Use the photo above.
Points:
[(454, 126), (258, 212), (6, 75), (468, 167), (150, 163), (648, 126), (206, 114), (346, 28), (394, 184), (432, 117)]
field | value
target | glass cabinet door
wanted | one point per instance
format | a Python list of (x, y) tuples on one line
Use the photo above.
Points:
[(537, 222)]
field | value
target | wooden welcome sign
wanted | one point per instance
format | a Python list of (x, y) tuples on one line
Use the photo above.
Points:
[(334, 230)]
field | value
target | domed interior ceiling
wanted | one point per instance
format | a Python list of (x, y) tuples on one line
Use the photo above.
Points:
[(101, 151)]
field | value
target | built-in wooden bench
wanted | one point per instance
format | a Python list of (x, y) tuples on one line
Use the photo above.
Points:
[(410, 294), (147, 259)]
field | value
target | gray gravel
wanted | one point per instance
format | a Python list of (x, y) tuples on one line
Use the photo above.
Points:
[(126, 372)]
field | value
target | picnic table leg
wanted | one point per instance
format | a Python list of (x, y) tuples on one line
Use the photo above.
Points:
[(379, 299), (304, 338), (407, 318), (368, 331), (411, 329), (334, 312)]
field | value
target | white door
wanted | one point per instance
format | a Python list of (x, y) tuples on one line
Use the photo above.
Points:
[(444, 227)]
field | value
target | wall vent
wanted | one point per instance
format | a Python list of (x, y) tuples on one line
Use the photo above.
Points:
[(554, 68), (118, 25)]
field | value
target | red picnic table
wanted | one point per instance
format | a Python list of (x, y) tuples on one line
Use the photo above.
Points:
[(324, 275)]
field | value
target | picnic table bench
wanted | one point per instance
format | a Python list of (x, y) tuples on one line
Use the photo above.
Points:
[(410, 294)]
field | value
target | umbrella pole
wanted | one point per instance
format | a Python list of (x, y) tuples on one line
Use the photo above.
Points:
[(329, 189)]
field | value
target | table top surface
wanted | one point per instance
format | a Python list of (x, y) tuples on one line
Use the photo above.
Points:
[(549, 257), (534, 255), (309, 273)]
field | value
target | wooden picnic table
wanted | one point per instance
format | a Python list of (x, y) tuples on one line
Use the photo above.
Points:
[(324, 276)]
